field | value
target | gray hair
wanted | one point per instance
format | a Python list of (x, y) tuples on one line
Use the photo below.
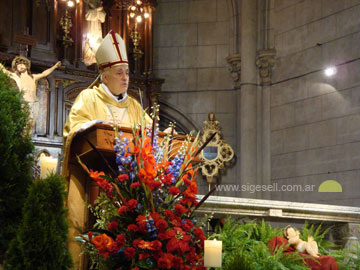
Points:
[(107, 71)]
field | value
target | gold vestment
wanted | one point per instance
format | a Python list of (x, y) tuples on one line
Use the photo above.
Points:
[(91, 104)]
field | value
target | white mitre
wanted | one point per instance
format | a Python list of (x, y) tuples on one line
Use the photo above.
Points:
[(111, 52)]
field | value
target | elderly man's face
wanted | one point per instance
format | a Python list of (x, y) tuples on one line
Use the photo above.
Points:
[(117, 79)]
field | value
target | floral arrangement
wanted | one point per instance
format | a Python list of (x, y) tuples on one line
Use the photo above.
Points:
[(145, 210)]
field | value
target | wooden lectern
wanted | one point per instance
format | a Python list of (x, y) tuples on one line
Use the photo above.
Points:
[(82, 189), (103, 138)]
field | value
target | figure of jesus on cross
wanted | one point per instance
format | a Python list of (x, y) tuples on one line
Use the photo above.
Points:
[(27, 82)]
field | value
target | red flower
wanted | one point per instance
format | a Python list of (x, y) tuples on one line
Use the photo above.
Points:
[(141, 219), (148, 172), (192, 189), (145, 245), (101, 182), (135, 268), (122, 210), (96, 175), (179, 209), (104, 244), (113, 225), (191, 255), (176, 222), (161, 225), (186, 180), (135, 185), (177, 261), (90, 235), (154, 184), (136, 243), (120, 240), (163, 166), (132, 204), (187, 225), (165, 262), (123, 177), (146, 151), (129, 252), (158, 254), (179, 240), (169, 214), (189, 199), (132, 227), (136, 150), (162, 236), (156, 245), (174, 191), (142, 228), (168, 179), (143, 256), (155, 216), (199, 234)]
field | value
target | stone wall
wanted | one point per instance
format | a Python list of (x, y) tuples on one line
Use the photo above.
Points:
[(313, 132), (191, 43), (315, 120)]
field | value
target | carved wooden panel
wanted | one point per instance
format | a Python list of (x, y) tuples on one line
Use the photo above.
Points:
[(43, 30), (43, 96), (14, 19), (70, 97)]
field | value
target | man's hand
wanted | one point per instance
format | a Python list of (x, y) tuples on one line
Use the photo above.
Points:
[(108, 122), (169, 129), (58, 64), (89, 124)]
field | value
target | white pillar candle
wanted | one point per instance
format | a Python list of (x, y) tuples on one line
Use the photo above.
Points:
[(212, 253), (48, 165)]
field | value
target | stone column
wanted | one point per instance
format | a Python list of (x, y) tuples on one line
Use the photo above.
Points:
[(265, 62), (349, 235), (247, 97), (234, 62)]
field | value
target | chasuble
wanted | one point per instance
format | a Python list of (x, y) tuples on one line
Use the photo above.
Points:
[(92, 104)]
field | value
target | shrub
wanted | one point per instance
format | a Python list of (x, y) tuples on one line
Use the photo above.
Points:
[(41, 241), (16, 157)]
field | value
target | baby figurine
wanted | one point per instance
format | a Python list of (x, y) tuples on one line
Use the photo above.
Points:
[(293, 236)]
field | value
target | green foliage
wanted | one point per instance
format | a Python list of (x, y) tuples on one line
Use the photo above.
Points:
[(352, 257), (347, 259), (104, 211), (235, 235), (263, 232), (16, 148), (97, 262), (41, 241), (245, 246), (262, 258), (319, 236)]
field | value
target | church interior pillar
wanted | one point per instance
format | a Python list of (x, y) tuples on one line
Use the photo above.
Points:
[(248, 96)]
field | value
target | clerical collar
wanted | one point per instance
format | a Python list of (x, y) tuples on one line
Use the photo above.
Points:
[(119, 99)]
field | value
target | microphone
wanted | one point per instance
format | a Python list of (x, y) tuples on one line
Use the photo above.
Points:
[(141, 101)]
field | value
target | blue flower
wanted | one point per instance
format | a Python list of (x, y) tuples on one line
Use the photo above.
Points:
[(149, 262), (121, 169)]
